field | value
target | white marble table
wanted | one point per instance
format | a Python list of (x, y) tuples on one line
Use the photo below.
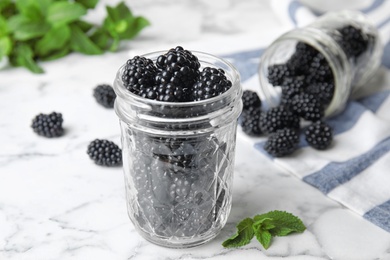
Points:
[(56, 204)]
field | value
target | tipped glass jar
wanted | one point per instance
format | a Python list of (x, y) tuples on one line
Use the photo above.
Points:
[(178, 160), (328, 59)]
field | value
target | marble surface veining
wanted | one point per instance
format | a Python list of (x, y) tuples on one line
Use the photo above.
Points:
[(56, 204)]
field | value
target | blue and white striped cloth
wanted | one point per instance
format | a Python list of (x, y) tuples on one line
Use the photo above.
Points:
[(356, 170)]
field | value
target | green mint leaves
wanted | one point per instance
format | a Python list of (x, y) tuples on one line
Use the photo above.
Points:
[(32, 31), (264, 227)]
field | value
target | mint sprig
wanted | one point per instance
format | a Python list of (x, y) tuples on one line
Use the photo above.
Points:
[(264, 227), (33, 31)]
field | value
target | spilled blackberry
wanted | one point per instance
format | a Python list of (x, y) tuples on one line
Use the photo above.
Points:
[(48, 125), (182, 64), (324, 91), (104, 95), (139, 73), (250, 99), (105, 153), (278, 118), (291, 87), (212, 82), (282, 143), (353, 41), (277, 73), (250, 121), (307, 106), (319, 135), (299, 62)]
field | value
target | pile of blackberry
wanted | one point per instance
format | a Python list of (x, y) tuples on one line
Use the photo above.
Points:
[(174, 77)]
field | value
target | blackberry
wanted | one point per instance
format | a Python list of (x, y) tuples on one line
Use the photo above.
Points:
[(167, 92), (250, 99), (319, 135), (48, 125), (277, 73), (319, 70), (307, 106), (353, 41), (299, 62), (282, 143), (182, 64), (105, 153), (212, 82), (323, 91), (278, 118), (105, 95), (291, 87), (139, 73), (250, 121)]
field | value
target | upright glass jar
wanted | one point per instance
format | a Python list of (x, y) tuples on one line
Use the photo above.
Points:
[(178, 160), (350, 45)]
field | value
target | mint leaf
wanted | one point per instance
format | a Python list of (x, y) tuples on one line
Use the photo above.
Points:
[(80, 42), (4, 4), (25, 30), (134, 28), (101, 38), (30, 9), (64, 12), (89, 4), (5, 46), (23, 56), (53, 40), (83, 25), (3, 27), (57, 54), (243, 236), (264, 237), (284, 222)]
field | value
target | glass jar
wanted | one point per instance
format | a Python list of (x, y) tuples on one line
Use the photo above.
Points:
[(346, 40), (178, 160)]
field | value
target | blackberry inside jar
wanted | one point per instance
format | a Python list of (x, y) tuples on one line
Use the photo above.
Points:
[(322, 63), (178, 113)]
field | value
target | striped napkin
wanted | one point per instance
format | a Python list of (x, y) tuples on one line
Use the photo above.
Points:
[(355, 171)]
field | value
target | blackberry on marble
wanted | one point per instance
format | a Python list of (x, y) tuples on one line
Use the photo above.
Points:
[(319, 135), (353, 41), (324, 91), (277, 73), (48, 125), (250, 99), (211, 82), (278, 118), (104, 95), (281, 143), (307, 106), (138, 73), (104, 153), (250, 121), (182, 63)]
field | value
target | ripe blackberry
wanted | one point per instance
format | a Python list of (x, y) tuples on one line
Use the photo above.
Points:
[(307, 106), (323, 91), (299, 62), (167, 92), (319, 70), (278, 118), (291, 87), (282, 143), (104, 95), (212, 82), (250, 99), (250, 121), (353, 41), (277, 73), (139, 73), (105, 153), (48, 125), (182, 64), (319, 135)]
